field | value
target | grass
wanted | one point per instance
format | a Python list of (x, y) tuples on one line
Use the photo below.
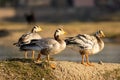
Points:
[(71, 28), (24, 69), (80, 26)]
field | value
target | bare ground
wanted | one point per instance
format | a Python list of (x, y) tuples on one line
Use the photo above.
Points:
[(76, 71)]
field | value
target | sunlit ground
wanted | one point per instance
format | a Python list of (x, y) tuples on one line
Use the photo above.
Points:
[(15, 30)]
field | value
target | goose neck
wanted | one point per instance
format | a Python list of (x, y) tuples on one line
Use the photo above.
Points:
[(33, 31), (100, 42), (57, 38)]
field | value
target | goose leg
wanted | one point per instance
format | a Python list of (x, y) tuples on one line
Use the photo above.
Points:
[(83, 55), (39, 57), (33, 52), (25, 54), (48, 58), (87, 60), (51, 65), (82, 62)]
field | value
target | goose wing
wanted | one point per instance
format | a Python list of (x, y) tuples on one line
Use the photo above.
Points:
[(31, 36), (83, 41), (26, 38), (21, 40), (46, 43)]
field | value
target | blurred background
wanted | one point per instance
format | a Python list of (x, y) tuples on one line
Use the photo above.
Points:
[(77, 16)]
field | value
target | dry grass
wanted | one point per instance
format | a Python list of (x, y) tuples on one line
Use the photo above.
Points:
[(22, 69), (73, 28)]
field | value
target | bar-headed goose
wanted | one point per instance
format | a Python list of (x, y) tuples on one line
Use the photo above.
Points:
[(26, 38), (86, 44), (47, 46)]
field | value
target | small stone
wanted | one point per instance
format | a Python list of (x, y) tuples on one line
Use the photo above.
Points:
[(100, 62)]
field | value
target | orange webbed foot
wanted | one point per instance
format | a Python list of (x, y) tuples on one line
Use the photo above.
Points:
[(53, 66), (37, 61), (90, 64), (84, 64)]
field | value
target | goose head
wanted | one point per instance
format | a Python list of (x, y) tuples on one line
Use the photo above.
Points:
[(58, 32), (100, 34), (36, 29)]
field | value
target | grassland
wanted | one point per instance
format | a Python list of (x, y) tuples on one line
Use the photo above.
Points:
[(72, 28)]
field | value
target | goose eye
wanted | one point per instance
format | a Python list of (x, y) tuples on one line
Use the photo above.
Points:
[(60, 29), (57, 31), (34, 28)]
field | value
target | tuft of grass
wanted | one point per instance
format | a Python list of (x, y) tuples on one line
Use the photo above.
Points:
[(22, 69)]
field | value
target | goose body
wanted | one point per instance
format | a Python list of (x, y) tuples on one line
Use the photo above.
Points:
[(26, 38), (86, 44), (85, 41), (47, 46)]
